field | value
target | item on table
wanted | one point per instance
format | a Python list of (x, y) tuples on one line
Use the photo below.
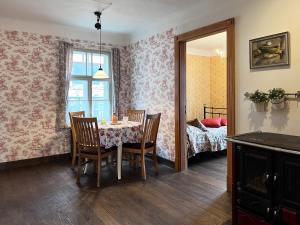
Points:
[(103, 122), (125, 119), (114, 119)]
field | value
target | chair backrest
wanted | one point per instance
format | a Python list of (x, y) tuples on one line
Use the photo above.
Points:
[(87, 134), (71, 115), (151, 128), (136, 115)]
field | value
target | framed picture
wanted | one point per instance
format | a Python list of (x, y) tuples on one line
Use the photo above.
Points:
[(270, 51)]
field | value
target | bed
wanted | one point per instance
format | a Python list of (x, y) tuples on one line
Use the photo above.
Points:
[(210, 140)]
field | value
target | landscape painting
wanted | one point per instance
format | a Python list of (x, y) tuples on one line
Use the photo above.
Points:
[(269, 51)]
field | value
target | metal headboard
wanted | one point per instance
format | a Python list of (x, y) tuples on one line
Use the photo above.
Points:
[(214, 111)]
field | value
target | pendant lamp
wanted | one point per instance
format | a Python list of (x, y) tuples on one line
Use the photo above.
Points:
[(100, 74)]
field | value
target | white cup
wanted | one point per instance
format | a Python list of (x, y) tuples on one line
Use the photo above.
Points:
[(125, 119)]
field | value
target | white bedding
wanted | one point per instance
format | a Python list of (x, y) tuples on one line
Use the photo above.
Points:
[(203, 141)]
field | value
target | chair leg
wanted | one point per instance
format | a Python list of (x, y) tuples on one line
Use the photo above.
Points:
[(98, 171), (155, 164), (108, 160), (85, 167), (74, 157), (131, 159), (78, 169), (95, 167), (137, 160), (143, 166)]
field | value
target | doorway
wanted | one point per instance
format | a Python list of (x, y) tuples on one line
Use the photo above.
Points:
[(181, 41)]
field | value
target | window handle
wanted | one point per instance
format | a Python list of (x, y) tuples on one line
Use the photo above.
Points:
[(275, 178)]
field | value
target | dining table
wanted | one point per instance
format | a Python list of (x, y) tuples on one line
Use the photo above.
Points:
[(116, 134)]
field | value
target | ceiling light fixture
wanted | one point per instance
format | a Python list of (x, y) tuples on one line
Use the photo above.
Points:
[(100, 74), (220, 53)]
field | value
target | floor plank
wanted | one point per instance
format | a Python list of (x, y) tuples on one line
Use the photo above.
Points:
[(47, 194)]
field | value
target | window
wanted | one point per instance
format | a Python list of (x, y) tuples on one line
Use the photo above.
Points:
[(86, 93)]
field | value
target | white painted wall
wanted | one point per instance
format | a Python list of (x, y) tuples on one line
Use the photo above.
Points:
[(254, 19), (64, 31), (260, 19)]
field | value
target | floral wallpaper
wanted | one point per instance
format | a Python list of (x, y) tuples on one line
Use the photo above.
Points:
[(148, 69), (29, 89), (125, 82), (28, 93), (197, 85), (206, 84)]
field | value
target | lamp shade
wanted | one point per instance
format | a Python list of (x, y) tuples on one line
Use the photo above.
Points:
[(100, 74)]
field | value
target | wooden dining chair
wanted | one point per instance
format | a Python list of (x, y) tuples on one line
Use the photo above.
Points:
[(74, 150), (136, 115), (88, 143), (147, 144)]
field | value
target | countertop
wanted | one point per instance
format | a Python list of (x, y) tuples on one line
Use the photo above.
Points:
[(273, 141)]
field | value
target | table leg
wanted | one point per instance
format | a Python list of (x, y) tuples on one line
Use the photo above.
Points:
[(119, 161)]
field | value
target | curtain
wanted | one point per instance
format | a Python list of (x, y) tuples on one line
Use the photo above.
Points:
[(65, 54), (116, 79)]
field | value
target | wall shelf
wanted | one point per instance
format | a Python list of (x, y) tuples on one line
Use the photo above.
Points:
[(295, 95)]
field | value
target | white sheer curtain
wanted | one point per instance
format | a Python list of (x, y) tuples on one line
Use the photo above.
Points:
[(65, 66)]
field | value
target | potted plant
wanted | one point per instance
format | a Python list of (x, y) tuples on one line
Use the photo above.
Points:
[(277, 98), (260, 100)]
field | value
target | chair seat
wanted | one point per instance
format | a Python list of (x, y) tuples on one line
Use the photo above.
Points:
[(103, 151), (137, 145)]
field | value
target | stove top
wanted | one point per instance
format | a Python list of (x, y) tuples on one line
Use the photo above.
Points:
[(283, 141)]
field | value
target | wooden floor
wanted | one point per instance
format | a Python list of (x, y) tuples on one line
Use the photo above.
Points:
[(47, 194)]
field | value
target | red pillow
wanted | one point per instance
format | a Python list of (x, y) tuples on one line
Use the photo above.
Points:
[(223, 121), (212, 122)]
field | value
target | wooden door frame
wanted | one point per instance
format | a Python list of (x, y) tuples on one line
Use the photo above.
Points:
[(180, 89)]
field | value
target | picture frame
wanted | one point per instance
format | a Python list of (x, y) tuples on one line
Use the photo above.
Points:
[(270, 51)]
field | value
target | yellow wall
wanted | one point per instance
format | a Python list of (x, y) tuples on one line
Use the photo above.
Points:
[(205, 84), (197, 85), (218, 87)]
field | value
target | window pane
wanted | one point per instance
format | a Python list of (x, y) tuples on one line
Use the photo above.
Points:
[(100, 90), (78, 90), (79, 63), (101, 102), (78, 96), (91, 96), (79, 105), (89, 64), (104, 63), (101, 110)]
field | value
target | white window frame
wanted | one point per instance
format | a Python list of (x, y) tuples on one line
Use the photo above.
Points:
[(90, 79)]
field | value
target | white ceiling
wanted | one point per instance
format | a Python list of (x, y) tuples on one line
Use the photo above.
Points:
[(123, 16), (207, 46)]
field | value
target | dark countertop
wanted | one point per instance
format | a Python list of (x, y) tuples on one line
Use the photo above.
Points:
[(281, 141)]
